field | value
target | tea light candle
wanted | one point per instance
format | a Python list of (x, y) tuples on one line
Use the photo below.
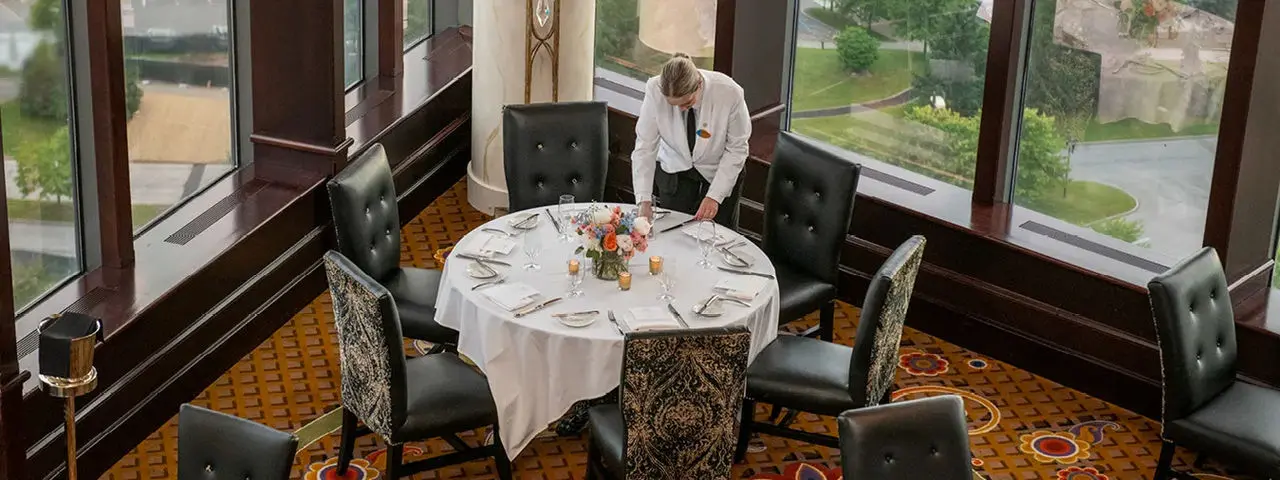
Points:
[(624, 281), (655, 265), (574, 265)]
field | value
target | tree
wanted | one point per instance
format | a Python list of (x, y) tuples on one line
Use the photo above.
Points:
[(44, 166), (617, 25), (923, 20), (417, 19), (960, 153), (867, 11), (1062, 82), (45, 15), (132, 91), (857, 49), (42, 92)]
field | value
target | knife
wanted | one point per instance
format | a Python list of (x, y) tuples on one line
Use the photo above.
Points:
[(537, 307), (468, 256), (615, 323), (526, 220), (735, 256), (745, 272), (686, 222), (554, 221), (488, 283), (679, 318), (575, 314)]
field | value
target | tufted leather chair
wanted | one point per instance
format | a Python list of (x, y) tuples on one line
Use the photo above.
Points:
[(810, 375), (807, 210), (366, 220), (674, 412), (553, 149), (216, 446), (1205, 407), (401, 400), (926, 438)]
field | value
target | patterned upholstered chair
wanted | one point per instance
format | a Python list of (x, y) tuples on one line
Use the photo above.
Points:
[(926, 438), (401, 400), (366, 220), (807, 210), (553, 149), (1205, 407), (675, 413), (216, 446), (805, 374)]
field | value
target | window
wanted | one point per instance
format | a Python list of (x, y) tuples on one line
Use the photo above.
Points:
[(898, 82), (1120, 120), (417, 21), (352, 42), (635, 37), (178, 85), (38, 161)]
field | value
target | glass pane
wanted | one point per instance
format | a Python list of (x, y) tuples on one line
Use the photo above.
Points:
[(635, 37), (178, 100), (1122, 105), (352, 42), (898, 82), (38, 170), (417, 21)]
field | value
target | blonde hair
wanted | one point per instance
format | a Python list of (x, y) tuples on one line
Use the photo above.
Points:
[(680, 77)]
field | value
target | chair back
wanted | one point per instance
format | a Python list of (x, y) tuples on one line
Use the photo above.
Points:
[(370, 346), (366, 219), (808, 206), (553, 149), (216, 446), (681, 396), (926, 438), (1196, 330), (884, 310)]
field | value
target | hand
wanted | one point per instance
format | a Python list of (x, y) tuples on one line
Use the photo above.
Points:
[(646, 210), (708, 209)]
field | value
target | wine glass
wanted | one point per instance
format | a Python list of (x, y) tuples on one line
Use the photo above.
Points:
[(564, 211), (706, 241), (668, 280), (575, 277), (532, 247)]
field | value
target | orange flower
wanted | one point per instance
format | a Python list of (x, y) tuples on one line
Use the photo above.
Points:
[(611, 242), (1149, 9)]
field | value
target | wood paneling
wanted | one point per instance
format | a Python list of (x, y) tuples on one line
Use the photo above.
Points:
[(103, 38)]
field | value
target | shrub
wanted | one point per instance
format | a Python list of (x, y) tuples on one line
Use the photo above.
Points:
[(857, 49), (1126, 230), (44, 166)]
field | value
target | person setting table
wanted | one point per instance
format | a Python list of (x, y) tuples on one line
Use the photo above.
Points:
[(694, 123)]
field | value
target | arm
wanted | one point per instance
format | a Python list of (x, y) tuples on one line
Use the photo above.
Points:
[(644, 158), (737, 132)]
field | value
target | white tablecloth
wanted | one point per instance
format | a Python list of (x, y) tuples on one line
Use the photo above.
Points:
[(537, 367)]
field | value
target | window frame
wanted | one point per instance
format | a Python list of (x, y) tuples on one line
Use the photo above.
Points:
[(431, 19)]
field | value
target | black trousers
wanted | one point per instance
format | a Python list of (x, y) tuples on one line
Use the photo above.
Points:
[(684, 191)]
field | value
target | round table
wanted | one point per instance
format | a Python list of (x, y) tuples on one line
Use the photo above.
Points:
[(536, 366)]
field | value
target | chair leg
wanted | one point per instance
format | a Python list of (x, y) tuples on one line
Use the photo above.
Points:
[(827, 322), (500, 456), (1198, 464), (395, 457), (789, 418), (1165, 466), (593, 459), (744, 429), (774, 412), (347, 443)]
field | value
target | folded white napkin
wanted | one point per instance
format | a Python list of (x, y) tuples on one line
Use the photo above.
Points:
[(488, 245), (741, 287), (512, 296), (650, 318), (698, 233)]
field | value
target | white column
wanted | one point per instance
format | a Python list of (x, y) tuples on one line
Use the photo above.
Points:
[(497, 79)]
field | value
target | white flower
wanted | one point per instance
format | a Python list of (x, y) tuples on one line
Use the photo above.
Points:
[(593, 243), (624, 243), (642, 226), (601, 216)]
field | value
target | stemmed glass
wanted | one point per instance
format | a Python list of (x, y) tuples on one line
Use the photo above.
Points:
[(575, 277), (668, 280), (564, 211), (706, 241), (532, 247)]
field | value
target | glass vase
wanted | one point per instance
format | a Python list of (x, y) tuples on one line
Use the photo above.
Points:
[(608, 265)]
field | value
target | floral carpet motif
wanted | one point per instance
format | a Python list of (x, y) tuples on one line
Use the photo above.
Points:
[(1021, 426)]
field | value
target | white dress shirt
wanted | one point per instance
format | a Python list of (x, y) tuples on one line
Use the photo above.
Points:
[(661, 138)]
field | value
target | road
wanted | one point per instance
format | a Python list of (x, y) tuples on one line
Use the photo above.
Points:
[(1169, 179)]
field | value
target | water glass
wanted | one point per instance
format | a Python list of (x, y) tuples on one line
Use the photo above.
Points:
[(706, 241), (575, 278), (668, 280), (564, 210), (532, 248)]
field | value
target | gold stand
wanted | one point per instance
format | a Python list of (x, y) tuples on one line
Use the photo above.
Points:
[(70, 388)]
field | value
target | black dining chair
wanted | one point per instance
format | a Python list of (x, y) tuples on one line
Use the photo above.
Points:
[(925, 438), (810, 375), (675, 412), (402, 400), (807, 210), (216, 446), (366, 220), (1205, 407), (553, 149)]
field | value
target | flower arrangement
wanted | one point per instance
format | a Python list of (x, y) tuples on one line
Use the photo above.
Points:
[(1141, 19), (610, 238)]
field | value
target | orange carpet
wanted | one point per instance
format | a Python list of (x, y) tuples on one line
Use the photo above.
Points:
[(1022, 426)]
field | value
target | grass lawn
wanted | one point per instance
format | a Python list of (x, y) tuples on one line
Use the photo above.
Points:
[(18, 129), (821, 82), (1085, 202), (1134, 129), (23, 209)]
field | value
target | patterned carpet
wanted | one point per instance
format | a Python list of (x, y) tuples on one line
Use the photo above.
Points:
[(1022, 426)]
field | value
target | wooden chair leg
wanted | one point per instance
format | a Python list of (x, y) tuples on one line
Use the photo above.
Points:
[(827, 322), (744, 429), (395, 457), (500, 456), (347, 443), (1164, 467)]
